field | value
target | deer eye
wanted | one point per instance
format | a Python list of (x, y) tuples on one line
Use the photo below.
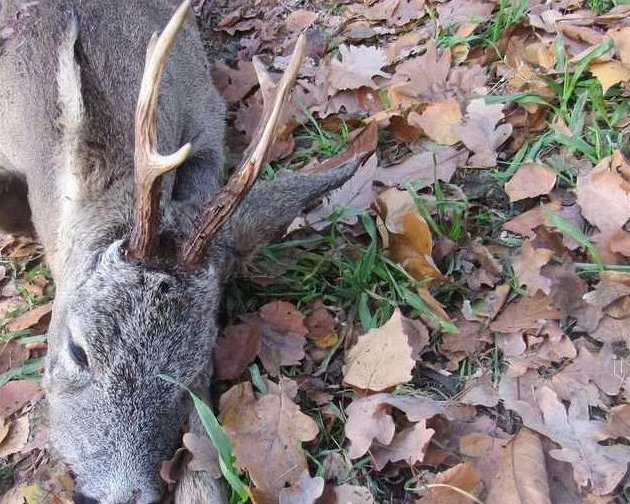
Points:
[(78, 355)]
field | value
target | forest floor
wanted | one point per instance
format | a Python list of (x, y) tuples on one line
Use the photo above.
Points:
[(450, 326)]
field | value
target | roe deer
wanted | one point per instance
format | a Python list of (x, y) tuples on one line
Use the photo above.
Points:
[(138, 261)]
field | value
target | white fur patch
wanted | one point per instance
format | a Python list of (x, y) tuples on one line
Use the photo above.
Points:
[(71, 122)]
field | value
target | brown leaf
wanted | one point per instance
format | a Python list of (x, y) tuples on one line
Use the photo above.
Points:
[(408, 445), (526, 313), (235, 349), (527, 265), (424, 168), (369, 418), (437, 121), (604, 197), (282, 332), (266, 433), (530, 180), (481, 132), (522, 476), (619, 422), (347, 494), (357, 67), (234, 83), (321, 328), (17, 394), (17, 437), (463, 476), (205, 456), (12, 355), (410, 240), (39, 317), (609, 73), (381, 358), (305, 491), (356, 193), (601, 467), (423, 77)]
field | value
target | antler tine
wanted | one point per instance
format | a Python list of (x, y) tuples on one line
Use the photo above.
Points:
[(149, 164), (219, 209)]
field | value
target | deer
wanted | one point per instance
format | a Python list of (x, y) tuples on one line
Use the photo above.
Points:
[(139, 243)]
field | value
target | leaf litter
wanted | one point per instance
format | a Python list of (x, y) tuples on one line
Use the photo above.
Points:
[(479, 351)]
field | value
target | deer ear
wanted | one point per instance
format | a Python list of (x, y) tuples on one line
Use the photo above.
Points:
[(271, 206)]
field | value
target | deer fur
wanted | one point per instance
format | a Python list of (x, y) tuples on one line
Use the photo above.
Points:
[(69, 79)]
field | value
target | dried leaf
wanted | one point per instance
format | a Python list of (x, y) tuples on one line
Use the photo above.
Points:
[(305, 491), (17, 394), (12, 355), (604, 197), (266, 433), (610, 73), (357, 67), (409, 446), (527, 265), (381, 358), (39, 317), (235, 349), (463, 476), (205, 456), (437, 121), (481, 132), (424, 168), (17, 437), (526, 313), (530, 180)]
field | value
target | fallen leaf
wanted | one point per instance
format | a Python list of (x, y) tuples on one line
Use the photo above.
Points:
[(409, 238), (348, 494), (369, 418), (282, 332), (409, 445), (522, 476), (381, 358), (305, 491), (530, 180), (604, 197), (12, 355), (357, 67), (17, 394), (39, 316), (609, 73), (321, 328), (482, 133), (600, 466), (235, 349), (205, 456), (463, 477), (437, 121), (266, 433), (17, 437), (526, 313), (527, 265)]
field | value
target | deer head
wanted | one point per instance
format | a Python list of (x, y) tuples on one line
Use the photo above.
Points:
[(126, 311)]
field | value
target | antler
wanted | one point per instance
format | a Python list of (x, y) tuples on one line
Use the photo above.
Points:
[(222, 206), (149, 164)]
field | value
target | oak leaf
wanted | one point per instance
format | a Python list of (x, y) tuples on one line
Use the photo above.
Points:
[(609, 73), (266, 433), (527, 265), (526, 313), (409, 445), (305, 491), (357, 67), (482, 133), (235, 349), (463, 477)]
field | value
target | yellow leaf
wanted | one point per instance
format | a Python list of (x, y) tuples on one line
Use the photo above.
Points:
[(610, 73), (437, 121)]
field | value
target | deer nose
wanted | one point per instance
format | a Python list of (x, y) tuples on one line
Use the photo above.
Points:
[(79, 498)]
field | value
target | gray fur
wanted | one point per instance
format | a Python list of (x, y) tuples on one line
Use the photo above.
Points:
[(69, 76)]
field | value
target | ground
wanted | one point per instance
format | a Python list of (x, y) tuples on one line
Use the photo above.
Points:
[(450, 325)]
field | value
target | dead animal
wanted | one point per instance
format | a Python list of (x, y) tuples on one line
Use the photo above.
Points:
[(139, 242)]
